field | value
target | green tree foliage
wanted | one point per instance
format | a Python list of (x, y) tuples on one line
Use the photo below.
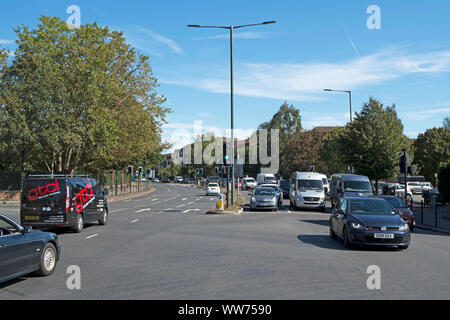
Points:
[(432, 150), (444, 182), (81, 99), (331, 153), (288, 121), (373, 141), (303, 152), (446, 123)]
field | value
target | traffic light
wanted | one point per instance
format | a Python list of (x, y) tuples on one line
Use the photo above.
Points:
[(130, 170), (403, 163), (148, 172), (410, 170), (140, 170), (225, 156)]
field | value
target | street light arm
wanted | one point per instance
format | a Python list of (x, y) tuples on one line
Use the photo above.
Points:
[(215, 27), (254, 24)]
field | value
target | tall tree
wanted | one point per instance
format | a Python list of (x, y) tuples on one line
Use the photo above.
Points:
[(432, 149), (446, 123), (373, 141), (331, 153), (79, 99)]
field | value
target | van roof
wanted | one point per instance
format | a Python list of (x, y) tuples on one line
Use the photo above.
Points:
[(350, 176), (308, 175)]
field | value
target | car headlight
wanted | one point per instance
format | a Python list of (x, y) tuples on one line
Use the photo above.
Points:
[(274, 200), (404, 227), (357, 226)]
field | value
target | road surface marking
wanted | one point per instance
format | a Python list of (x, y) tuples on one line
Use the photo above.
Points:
[(94, 235), (155, 199), (191, 202), (181, 205), (289, 211), (118, 210), (142, 210), (142, 205), (184, 199), (135, 221)]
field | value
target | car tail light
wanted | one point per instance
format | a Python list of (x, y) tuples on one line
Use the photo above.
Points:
[(67, 199)]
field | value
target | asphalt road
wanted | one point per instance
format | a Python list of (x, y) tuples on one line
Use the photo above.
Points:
[(163, 246)]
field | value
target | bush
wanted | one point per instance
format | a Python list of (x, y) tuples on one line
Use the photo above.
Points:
[(444, 182)]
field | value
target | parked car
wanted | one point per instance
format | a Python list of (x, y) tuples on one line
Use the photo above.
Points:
[(62, 201), (23, 251), (277, 190), (402, 208), (186, 180), (238, 183), (285, 186), (368, 221), (266, 178), (307, 191), (263, 198), (178, 179), (212, 189), (349, 185), (415, 187), (165, 180), (249, 183)]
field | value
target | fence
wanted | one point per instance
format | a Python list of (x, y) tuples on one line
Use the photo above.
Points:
[(437, 216)]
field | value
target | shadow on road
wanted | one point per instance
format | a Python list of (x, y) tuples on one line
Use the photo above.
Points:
[(325, 223), (418, 230)]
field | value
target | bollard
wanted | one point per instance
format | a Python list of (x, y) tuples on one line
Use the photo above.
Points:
[(219, 203)]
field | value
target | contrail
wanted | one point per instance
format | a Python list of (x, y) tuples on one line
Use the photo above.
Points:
[(351, 41)]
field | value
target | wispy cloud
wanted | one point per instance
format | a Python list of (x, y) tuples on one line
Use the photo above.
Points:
[(171, 44), (425, 114), (305, 82), (4, 42), (239, 35)]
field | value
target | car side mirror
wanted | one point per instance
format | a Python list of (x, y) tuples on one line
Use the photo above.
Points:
[(27, 229)]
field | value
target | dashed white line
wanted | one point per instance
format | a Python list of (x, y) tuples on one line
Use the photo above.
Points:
[(184, 199), (181, 205), (135, 221), (118, 210), (94, 235), (142, 210)]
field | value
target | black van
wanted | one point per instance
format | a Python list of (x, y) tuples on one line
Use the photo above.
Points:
[(62, 201)]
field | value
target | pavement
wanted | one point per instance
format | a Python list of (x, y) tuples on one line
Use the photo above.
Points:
[(163, 246)]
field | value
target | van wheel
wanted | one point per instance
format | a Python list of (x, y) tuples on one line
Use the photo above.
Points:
[(104, 219), (79, 224), (49, 256)]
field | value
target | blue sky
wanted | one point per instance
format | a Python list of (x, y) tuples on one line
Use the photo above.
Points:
[(314, 45)]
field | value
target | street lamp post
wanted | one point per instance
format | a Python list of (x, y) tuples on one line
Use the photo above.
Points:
[(231, 28), (349, 96)]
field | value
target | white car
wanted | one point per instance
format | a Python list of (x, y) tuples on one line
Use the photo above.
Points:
[(248, 183), (400, 191), (178, 179), (212, 189)]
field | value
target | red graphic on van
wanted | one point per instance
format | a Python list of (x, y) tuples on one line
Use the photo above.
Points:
[(82, 197), (43, 191)]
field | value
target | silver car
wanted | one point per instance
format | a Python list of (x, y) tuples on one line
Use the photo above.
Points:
[(263, 198)]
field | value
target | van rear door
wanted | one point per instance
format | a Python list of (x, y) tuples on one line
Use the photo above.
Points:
[(43, 201)]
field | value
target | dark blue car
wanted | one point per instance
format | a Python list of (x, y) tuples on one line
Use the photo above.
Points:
[(23, 251), (368, 221)]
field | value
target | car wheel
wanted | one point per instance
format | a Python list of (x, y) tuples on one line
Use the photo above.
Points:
[(49, 256), (332, 234), (104, 219), (347, 241), (79, 223)]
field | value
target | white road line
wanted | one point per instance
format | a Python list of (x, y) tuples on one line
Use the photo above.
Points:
[(181, 205), (127, 200), (184, 199), (135, 221), (142, 205), (191, 202), (289, 211), (118, 210), (155, 199), (167, 209), (142, 210), (94, 235), (186, 211)]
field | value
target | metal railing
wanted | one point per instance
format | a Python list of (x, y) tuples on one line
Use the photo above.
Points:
[(437, 216)]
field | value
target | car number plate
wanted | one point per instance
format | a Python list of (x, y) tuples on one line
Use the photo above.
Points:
[(384, 236), (34, 218)]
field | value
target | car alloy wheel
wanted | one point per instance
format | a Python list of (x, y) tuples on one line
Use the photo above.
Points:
[(49, 259), (347, 241)]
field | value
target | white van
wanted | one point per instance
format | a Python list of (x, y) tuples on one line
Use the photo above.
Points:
[(266, 178), (307, 191)]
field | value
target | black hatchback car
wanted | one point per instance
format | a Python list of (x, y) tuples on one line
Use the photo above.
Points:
[(23, 251), (368, 221)]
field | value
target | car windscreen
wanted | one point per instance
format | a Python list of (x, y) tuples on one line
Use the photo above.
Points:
[(304, 185), (249, 180), (43, 192), (285, 183), (370, 206), (396, 203), (264, 192), (357, 186), (325, 181)]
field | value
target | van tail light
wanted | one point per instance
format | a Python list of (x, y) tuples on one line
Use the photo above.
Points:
[(67, 199)]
